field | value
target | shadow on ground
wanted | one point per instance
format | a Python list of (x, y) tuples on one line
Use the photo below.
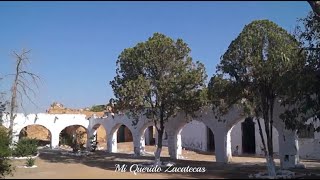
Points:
[(108, 161)]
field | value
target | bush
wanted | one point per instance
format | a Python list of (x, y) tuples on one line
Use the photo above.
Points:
[(5, 166), (4, 142), (30, 162), (98, 108), (77, 143), (26, 147), (65, 138)]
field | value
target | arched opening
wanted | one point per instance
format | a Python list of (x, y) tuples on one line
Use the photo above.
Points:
[(164, 137), (150, 136), (124, 134), (100, 137), (246, 140), (210, 140), (38, 132), (195, 138), (73, 137), (248, 136), (121, 139)]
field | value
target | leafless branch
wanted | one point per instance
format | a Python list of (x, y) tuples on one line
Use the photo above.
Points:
[(21, 84)]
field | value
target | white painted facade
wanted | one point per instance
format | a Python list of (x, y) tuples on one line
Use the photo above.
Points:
[(226, 132), (194, 136)]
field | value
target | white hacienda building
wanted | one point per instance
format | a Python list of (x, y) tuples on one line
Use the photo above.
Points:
[(234, 134)]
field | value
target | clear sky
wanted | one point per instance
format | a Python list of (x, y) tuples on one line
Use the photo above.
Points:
[(75, 45)]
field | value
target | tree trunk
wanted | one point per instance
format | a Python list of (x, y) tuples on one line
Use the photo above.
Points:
[(13, 106), (262, 138), (159, 146), (271, 166), (267, 107), (269, 156), (270, 160), (13, 102), (160, 134)]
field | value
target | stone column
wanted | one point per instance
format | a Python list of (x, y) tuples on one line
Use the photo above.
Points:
[(112, 142), (222, 141), (289, 149)]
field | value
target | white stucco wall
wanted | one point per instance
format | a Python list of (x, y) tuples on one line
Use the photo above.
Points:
[(194, 136), (55, 123), (195, 133), (259, 145), (310, 147), (226, 129)]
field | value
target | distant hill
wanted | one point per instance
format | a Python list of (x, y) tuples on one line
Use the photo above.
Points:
[(58, 108)]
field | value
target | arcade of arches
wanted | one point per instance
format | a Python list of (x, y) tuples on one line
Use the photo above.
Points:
[(117, 128)]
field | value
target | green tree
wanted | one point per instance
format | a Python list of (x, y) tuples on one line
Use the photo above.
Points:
[(2, 109), (157, 77), (310, 38), (254, 73), (5, 151), (308, 81), (98, 108)]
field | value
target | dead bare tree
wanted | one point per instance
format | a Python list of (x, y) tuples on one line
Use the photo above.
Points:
[(21, 84)]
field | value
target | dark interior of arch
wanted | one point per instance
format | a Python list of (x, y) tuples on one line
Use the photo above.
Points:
[(248, 136), (124, 134)]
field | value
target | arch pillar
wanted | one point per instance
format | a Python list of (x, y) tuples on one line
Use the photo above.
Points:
[(55, 139), (174, 144), (112, 146), (138, 144), (90, 132), (222, 141), (289, 149)]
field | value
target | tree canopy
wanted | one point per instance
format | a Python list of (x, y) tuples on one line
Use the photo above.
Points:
[(308, 80), (98, 108), (159, 78), (159, 74), (256, 71)]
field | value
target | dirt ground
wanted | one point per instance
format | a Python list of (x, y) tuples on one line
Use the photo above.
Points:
[(102, 165)]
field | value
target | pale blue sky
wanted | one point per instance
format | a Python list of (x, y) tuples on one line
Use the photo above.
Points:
[(75, 45)]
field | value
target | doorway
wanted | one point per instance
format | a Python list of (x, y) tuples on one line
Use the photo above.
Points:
[(248, 136)]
